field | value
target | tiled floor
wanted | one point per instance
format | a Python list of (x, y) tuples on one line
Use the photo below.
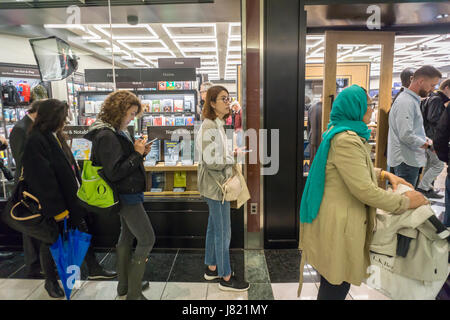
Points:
[(178, 275)]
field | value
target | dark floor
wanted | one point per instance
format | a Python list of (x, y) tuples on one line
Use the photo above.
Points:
[(180, 265)]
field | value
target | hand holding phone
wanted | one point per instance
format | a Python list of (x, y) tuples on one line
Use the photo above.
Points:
[(150, 142)]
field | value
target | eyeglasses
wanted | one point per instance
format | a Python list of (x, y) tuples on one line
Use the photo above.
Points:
[(372, 105), (226, 99)]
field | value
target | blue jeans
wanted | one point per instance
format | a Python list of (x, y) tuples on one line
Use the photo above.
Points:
[(218, 237), (447, 202), (410, 174)]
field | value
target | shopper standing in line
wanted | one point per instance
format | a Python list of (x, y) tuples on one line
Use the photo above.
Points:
[(441, 144), (122, 159), (314, 129), (407, 141), (340, 198), (17, 138), (203, 89), (432, 109), (53, 177), (3, 146), (215, 167), (405, 77)]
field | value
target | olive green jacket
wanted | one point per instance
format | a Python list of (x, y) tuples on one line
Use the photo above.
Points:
[(337, 242), (216, 160)]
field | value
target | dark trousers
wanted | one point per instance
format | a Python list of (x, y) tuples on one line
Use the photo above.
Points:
[(447, 202), (328, 291), (31, 249), (409, 173)]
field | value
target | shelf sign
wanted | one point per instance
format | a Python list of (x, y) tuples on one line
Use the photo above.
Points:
[(19, 72), (137, 78), (74, 132), (165, 133), (179, 62)]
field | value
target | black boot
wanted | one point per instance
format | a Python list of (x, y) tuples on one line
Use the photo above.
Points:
[(123, 262), (53, 288), (96, 271), (136, 271)]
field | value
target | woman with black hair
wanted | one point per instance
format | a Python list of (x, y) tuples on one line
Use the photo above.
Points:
[(52, 175)]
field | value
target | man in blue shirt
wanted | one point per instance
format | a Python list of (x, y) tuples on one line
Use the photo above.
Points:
[(407, 141)]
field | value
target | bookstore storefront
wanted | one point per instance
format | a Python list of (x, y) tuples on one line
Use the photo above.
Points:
[(162, 53)]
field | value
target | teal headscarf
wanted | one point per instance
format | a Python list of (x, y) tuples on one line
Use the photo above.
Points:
[(347, 113)]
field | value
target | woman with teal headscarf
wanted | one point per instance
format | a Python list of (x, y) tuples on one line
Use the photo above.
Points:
[(337, 212)]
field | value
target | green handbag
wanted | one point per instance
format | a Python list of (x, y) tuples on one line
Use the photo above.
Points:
[(95, 193)]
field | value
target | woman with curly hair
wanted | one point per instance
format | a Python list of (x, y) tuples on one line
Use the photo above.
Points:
[(122, 158)]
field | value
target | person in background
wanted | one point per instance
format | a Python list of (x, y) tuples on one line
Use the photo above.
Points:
[(441, 145), (235, 120), (314, 129), (405, 77), (17, 138), (52, 175), (407, 141), (214, 169), (122, 159), (432, 109), (3, 146), (339, 202), (203, 89)]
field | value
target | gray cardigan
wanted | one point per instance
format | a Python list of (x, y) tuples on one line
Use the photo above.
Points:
[(216, 161)]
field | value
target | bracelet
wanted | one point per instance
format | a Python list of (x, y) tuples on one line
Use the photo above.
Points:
[(383, 174)]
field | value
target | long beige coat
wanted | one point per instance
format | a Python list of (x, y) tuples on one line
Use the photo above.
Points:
[(337, 242)]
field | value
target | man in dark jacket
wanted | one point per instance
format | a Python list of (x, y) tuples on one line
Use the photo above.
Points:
[(441, 145), (432, 109), (17, 140), (3, 146)]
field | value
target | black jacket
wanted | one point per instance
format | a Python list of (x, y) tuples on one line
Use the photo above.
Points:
[(442, 138), (433, 107), (122, 165), (17, 141), (49, 175)]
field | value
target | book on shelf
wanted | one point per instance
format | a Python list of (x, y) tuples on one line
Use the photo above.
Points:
[(170, 85), (170, 121), (158, 121), (156, 106), (180, 121), (187, 152), (89, 107), (178, 105), (189, 103), (81, 149), (189, 120), (147, 121), (98, 106), (158, 181), (187, 106), (146, 105), (179, 181), (171, 152), (167, 105), (162, 85), (179, 85), (187, 85), (154, 155)]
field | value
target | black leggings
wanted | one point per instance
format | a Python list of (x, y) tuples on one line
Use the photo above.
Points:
[(328, 291)]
